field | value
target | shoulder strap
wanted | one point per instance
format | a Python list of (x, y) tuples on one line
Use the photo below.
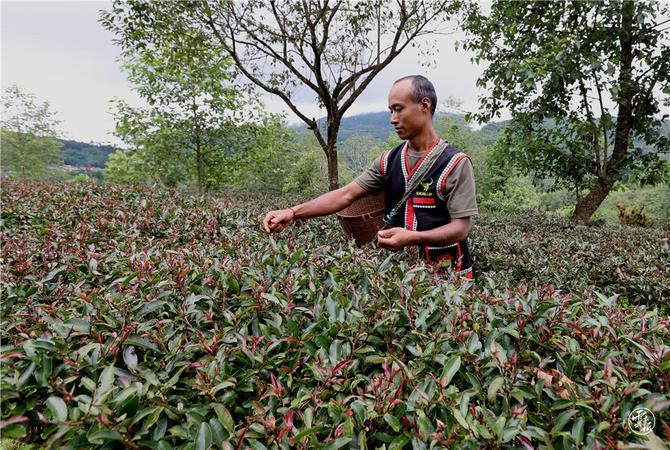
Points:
[(416, 179)]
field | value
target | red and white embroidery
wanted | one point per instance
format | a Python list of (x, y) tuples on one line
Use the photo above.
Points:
[(410, 217), (441, 181), (424, 202), (407, 172), (384, 162), (443, 247)]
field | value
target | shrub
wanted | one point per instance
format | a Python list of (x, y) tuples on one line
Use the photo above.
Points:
[(136, 318), (538, 248)]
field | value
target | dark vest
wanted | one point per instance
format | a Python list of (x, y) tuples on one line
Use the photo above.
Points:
[(426, 208)]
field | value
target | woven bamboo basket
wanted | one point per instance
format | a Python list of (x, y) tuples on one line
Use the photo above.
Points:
[(363, 218)]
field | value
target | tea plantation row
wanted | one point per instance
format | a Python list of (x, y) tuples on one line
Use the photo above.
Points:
[(142, 318)]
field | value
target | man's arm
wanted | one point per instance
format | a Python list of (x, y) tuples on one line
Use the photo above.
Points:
[(328, 203), (454, 231)]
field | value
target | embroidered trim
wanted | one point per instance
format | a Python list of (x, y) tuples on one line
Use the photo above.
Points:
[(403, 163), (465, 271), (419, 205), (423, 201), (443, 247), (410, 216), (384, 162), (423, 159), (458, 157)]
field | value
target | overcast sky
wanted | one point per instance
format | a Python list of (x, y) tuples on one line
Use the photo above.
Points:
[(59, 52)]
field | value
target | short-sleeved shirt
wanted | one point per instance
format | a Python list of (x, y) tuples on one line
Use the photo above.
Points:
[(459, 189)]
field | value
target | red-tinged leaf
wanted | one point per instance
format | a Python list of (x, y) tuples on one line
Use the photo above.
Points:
[(288, 419), (387, 369), (339, 365), (276, 385), (525, 442), (666, 427), (339, 430), (608, 368)]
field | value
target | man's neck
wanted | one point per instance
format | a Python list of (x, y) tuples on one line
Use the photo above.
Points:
[(423, 141)]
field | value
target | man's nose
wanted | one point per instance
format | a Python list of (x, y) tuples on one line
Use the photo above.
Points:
[(394, 118)]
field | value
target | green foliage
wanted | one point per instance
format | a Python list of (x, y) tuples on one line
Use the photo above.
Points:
[(656, 201), (194, 106), (126, 167), (309, 169), (134, 317), (358, 152), (536, 248), (280, 47), (28, 140), (559, 68), (518, 194), (258, 157), (80, 178)]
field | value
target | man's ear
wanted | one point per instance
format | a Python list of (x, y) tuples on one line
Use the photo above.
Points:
[(425, 104)]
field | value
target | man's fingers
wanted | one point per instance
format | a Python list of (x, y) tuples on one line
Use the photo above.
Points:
[(266, 223), (275, 222)]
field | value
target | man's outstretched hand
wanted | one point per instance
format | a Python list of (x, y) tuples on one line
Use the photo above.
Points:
[(395, 238), (275, 221)]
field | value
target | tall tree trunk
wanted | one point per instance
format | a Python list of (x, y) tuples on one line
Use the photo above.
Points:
[(331, 153), (591, 201), (333, 175), (199, 163)]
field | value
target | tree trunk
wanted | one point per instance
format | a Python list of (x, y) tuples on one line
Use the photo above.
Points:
[(612, 170), (333, 175), (588, 204), (199, 164), (331, 153)]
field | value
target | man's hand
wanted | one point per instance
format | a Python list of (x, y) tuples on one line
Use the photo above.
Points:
[(395, 238), (275, 221)]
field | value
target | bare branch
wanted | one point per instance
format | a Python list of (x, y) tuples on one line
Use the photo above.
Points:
[(231, 49)]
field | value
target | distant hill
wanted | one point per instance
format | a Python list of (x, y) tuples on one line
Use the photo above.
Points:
[(374, 124), (377, 125), (80, 154)]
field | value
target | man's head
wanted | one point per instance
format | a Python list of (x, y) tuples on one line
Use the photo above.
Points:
[(412, 102)]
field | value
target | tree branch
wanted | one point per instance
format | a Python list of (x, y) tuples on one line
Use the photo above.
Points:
[(231, 49)]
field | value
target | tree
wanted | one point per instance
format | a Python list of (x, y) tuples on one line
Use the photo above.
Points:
[(562, 68), (332, 48), (192, 100), (29, 144), (126, 167)]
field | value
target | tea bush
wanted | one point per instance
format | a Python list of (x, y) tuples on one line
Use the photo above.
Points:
[(139, 318), (536, 248)]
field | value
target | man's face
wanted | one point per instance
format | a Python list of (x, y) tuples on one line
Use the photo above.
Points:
[(408, 116)]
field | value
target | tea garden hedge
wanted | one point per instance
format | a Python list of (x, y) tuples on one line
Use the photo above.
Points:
[(144, 318)]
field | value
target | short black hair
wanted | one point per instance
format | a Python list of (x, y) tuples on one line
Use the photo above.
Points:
[(422, 88)]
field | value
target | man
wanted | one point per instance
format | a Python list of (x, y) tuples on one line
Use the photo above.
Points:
[(436, 217)]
